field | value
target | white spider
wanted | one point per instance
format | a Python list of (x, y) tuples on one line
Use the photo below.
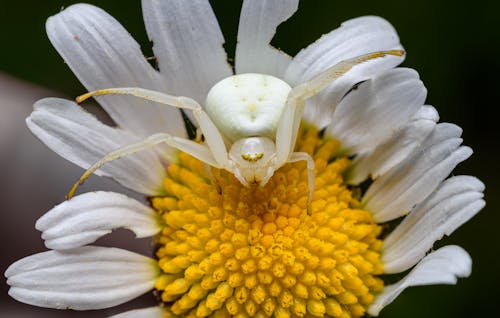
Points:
[(256, 116)]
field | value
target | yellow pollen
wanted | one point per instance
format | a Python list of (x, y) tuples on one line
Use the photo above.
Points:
[(232, 251)]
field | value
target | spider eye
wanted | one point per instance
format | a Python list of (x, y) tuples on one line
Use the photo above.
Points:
[(252, 157), (250, 150), (247, 105)]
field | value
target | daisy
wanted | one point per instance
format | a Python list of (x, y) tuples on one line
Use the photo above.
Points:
[(282, 207)]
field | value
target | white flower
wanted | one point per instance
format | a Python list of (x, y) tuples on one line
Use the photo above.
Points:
[(229, 248)]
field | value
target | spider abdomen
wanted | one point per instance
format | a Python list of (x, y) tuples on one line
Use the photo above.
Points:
[(247, 105)]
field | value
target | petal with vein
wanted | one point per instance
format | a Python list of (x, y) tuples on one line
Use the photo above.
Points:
[(84, 278), (88, 216), (79, 137), (396, 192), (187, 42), (392, 152), (443, 266), (377, 110), (258, 22), (151, 312), (353, 38), (456, 201), (102, 54)]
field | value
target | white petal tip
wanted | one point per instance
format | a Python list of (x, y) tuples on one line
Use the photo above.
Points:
[(81, 279), (89, 216), (442, 266)]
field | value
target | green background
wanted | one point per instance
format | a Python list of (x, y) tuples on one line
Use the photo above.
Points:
[(454, 45)]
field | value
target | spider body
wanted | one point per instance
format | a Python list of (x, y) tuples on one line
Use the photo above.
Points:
[(246, 109), (256, 116)]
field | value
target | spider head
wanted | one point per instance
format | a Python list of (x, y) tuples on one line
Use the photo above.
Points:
[(252, 160)]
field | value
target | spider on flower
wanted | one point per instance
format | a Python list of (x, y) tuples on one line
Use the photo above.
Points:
[(245, 112)]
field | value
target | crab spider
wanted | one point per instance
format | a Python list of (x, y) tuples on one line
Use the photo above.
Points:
[(257, 116)]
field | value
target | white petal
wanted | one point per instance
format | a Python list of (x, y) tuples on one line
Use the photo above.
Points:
[(396, 192), (85, 278), (102, 54), (454, 203), (258, 22), (440, 267), (187, 42), (396, 149), (353, 38), (79, 137), (151, 312), (377, 109), (86, 217)]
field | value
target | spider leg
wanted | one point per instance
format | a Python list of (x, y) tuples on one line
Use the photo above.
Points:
[(196, 150), (213, 137), (325, 78), (265, 180), (304, 156), (288, 126)]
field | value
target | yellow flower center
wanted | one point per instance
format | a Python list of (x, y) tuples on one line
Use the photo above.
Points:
[(228, 250)]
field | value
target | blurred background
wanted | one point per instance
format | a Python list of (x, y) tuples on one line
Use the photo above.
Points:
[(455, 46)]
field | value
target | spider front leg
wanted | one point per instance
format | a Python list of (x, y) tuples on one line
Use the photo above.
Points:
[(292, 113), (213, 154), (213, 137), (288, 125)]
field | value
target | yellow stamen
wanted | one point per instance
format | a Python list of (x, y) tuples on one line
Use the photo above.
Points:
[(229, 250)]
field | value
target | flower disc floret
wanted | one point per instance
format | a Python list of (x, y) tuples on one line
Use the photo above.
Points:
[(233, 250)]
